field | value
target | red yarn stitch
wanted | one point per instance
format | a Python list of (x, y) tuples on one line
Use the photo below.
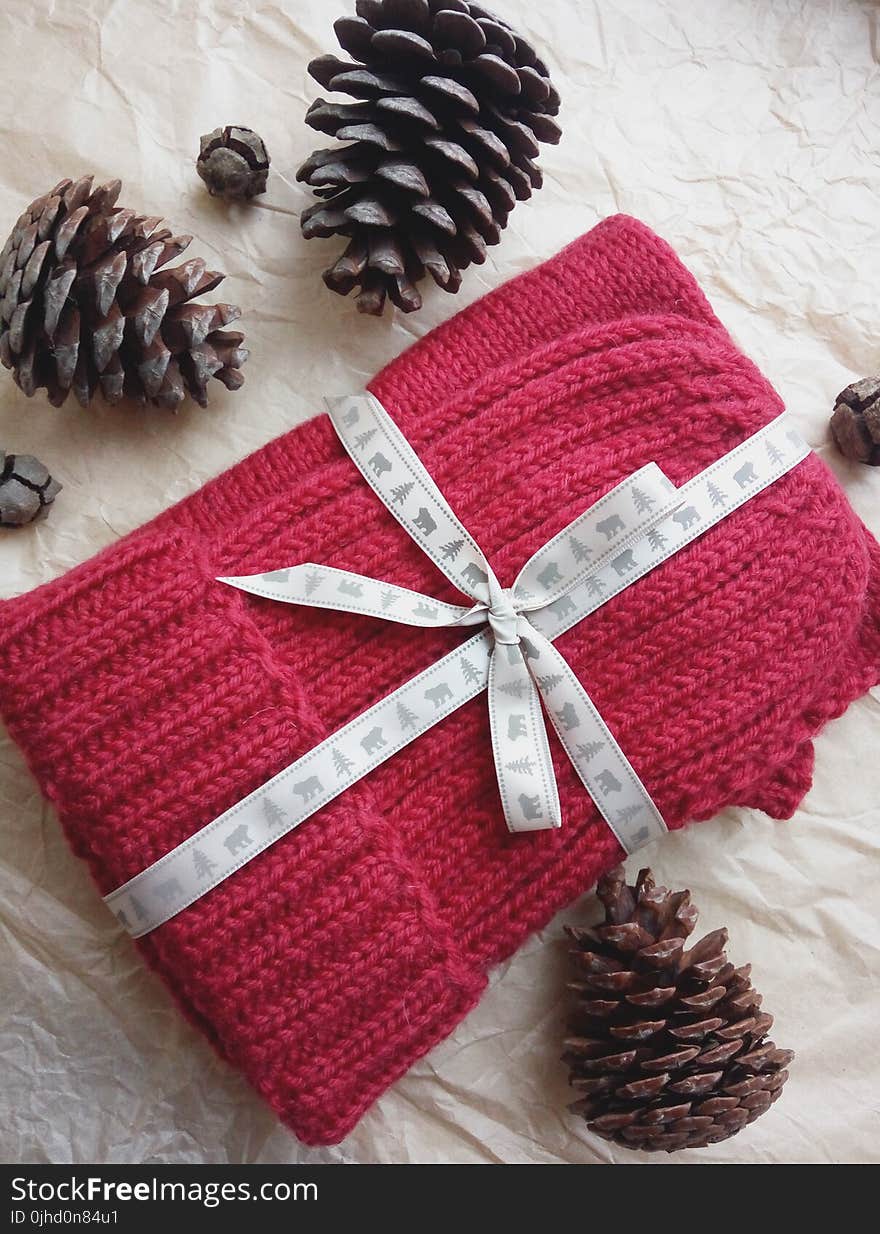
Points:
[(148, 698)]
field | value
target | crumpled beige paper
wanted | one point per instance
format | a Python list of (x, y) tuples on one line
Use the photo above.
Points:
[(746, 134)]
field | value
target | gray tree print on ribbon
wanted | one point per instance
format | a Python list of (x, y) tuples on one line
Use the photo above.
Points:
[(657, 540), (400, 493), (203, 866), (579, 550), (451, 550), (643, 502), (342, 764), (273, 813), (716, 496), (468, 671), (594, 585), (774, 454)]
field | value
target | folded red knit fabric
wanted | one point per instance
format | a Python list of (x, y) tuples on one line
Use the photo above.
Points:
[(149, 698)]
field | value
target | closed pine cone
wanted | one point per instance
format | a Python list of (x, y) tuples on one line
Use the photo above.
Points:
[(87, 302), (669, 1045), (26, 490), (452, 107), (855, 424)]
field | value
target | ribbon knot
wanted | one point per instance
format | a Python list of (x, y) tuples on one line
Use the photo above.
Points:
[(503, 613)]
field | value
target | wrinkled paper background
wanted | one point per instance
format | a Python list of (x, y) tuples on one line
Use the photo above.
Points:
[(746, 133)]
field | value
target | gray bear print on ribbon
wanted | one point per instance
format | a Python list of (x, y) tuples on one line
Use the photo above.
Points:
[(379, 464), (745, 476), (237, 840), (440, 694), (168, 891), (308, 789), (611, 527), (424, 522), (530, 806), (686, 517), (373, 741)]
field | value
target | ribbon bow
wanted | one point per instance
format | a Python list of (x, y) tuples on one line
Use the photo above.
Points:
[(627, 533), (523, 666)]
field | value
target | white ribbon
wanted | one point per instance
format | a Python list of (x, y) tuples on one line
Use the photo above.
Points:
[(633, 528)]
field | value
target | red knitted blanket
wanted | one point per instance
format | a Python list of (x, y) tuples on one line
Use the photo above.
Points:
[(149, 698)]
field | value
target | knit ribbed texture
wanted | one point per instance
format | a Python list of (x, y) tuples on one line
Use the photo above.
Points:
[(148, 698)]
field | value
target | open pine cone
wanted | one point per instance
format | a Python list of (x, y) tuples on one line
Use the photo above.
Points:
[(86, 303), (669, 1044), (452, 107)]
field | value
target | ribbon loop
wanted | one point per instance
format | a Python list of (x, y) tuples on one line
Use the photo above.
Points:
[(397, 476), (523, 764)]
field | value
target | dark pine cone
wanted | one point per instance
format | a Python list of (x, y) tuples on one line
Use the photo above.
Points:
[(453, 104), (86, 303), (26, 490), (855, 424), (669, 1048), (233, 162)]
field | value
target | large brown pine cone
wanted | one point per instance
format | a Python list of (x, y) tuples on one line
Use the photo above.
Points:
[(669, 1046), (453, 105), (86, 303)]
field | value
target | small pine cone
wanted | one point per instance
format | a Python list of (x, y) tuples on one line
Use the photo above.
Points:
[(669, 1044), (452, 105), (86, 303), (233, 162), (855, 424), (26, 489)]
